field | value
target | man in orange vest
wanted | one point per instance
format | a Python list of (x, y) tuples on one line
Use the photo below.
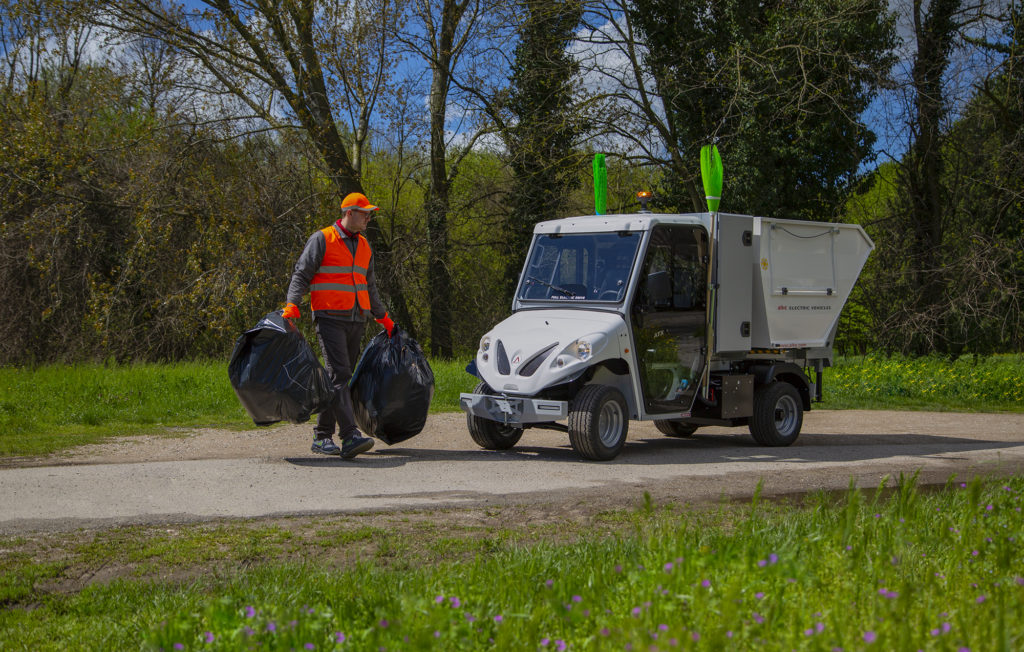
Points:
[(336, 267)]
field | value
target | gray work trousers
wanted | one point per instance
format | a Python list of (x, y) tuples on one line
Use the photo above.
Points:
[(339, 342)]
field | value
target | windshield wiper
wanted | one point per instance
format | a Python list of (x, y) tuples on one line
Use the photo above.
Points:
[(567, 293)]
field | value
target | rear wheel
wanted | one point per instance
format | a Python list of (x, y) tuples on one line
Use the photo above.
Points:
[(489, 434), (675, 428), (778, 414), (598, 422)]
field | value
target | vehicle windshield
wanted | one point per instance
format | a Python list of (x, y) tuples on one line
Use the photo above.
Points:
[(580, 267)]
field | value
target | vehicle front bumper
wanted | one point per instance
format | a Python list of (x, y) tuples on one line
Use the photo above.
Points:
[(511, 410)]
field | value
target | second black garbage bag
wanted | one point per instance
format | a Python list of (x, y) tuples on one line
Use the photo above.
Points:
[(392, 387)]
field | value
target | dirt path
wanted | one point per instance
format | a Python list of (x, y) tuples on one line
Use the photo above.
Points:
[(210, 474)]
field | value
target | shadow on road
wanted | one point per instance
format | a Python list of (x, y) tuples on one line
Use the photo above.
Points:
[(700, 449)]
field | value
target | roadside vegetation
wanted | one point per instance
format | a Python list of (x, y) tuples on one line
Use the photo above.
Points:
[(56, 407), (887, 569)]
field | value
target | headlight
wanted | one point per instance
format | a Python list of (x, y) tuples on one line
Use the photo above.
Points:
[(584, 349), (485, 343)]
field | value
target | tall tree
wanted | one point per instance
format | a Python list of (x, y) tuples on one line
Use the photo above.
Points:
[(781, 86), (918, 308), (543, 122), (444, 34)]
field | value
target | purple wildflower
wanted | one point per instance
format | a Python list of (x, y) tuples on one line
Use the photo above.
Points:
[(869, 636), (695, 636), (439, 599), (808, 632), (383, 623), (668, 567), (209, 637), (544, 642), (271, 626), (636, 612), (663, 627), (980, 599), (309, 646), (339, 637), (946, 627), (605, 632), (706, 584), (762, 563), (728, 634), (455, 602), (758, 618), (499, 618), (250, 612), (179, 646), (935, 632), (577, 598), (560, 645), (549, 583), (758, 595)]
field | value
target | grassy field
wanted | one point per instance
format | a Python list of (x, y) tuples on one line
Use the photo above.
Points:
[(904, 569), (55, 407)]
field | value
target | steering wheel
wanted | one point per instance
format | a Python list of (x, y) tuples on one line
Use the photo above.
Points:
[(608, 295)]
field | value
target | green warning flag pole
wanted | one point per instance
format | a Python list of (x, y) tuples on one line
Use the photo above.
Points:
[(600, 185), (711, 174)]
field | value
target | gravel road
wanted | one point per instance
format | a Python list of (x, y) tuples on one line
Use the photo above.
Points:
[(211, 474)]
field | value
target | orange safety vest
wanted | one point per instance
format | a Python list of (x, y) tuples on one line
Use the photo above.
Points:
[(340, 280)]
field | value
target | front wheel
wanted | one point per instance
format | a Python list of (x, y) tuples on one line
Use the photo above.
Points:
[(598, 422), (675, 428), (778, 414), (489, 434)]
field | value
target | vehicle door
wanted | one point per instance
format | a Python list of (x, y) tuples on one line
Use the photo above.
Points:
[(668, 317)]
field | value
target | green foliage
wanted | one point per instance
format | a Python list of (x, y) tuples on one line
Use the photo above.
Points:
[(899, 569), (780, 85), (948, 272), (127, 238)]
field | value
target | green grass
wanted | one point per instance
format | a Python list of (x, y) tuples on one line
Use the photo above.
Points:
[(55, 407), (888, 570), (989, 384)]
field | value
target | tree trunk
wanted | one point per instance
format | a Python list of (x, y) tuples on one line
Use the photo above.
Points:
[(440, 283)]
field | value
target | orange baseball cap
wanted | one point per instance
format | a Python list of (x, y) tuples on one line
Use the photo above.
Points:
[(358, 201)]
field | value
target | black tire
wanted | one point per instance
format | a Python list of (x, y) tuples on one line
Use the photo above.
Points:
[(489, 434), (778, 414), (675, 428), (598, 422)]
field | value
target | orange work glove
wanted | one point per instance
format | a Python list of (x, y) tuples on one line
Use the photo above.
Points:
[(388, 325), (291, 311)]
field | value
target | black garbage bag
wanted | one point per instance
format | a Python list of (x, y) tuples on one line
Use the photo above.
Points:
[(392, 387), (276, 375)]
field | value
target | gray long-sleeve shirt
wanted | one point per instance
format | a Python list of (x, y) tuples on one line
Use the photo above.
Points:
[(306, 267)]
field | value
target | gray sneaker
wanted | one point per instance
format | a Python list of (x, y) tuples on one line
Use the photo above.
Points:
[(325, 446), (354, 445)]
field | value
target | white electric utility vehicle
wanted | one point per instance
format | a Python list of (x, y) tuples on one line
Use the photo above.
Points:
[(634, 317)]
